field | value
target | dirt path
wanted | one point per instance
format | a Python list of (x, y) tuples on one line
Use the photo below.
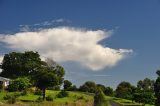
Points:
[(114, 103)]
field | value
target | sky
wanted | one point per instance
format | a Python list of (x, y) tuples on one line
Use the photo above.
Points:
[(106, 41)]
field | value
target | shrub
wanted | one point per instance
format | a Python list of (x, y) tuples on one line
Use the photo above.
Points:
[(39, 99), (24, 93), (49, 98), (19, 84), (62, 94), (99, 99), (80, 97), (6, 97), (11, 98), (38, 92)]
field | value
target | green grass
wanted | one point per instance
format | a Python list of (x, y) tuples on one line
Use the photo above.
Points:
[(125, 102), (74, 98)]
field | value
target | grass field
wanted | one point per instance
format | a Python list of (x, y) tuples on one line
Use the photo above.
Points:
[(125, 102), (74, 99)]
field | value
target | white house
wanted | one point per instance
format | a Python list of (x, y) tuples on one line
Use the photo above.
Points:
[(4, 81)]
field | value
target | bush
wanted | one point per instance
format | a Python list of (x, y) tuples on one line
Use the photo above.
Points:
[(99, 99), (80, 97), (39, 99), (38, 92), (19, 84), (11, 98), (24, 93), (49, 98), (62, 94), (6, 97)]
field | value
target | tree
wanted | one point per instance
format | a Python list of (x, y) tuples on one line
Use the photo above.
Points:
[(108, 91), (67, 85), (17, 64), (48, 77), (88, 86), (99, 99), (124, 90), (157, 89), (102, 87), (146, 85)]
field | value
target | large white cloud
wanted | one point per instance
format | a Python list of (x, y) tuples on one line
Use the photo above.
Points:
[(68, 44)]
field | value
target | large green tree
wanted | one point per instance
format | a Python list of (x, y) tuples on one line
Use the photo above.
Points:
[(48, 77), (17, 64), (157, 89)]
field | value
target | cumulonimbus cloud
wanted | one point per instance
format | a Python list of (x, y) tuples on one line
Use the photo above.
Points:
[(64, 44)]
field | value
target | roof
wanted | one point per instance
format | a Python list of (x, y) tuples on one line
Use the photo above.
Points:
[(4, 79)]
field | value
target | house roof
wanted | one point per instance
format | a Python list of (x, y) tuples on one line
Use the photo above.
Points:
[(4, 79)]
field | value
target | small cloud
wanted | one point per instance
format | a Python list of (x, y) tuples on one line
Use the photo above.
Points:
[(59, 20), (101, 75), (24, 28)]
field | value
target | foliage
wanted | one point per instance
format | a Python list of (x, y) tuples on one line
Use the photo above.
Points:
[(19, 84), (146, 85), (88, 86), (56, 88), (102, 87), (47, 77), (124, 90), (49, 98), (67, 85), (99, 99), (157, 89), (39, 99), (108, 91), (144, 97), (11, 98), (20, 64), (62, 94), (38, 92)]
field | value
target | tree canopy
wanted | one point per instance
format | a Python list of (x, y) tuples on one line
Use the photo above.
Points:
[(17, 64)]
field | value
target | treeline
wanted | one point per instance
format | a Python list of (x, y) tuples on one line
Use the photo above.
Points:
[(27, 70)]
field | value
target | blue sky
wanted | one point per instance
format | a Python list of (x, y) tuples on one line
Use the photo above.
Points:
[(135, 25)]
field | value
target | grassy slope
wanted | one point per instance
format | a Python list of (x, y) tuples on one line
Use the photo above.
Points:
[(75, 98)]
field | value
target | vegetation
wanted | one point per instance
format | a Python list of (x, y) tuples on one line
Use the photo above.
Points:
[(157, 89), (99, 99), (35, 81), (19, 84)]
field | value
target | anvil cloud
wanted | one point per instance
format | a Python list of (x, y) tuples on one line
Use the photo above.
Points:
[(64, 44)]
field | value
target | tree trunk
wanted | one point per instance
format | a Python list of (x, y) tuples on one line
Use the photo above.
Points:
[(44, 93)]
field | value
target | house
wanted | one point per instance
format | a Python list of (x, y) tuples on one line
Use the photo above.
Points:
[(4, 82)]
